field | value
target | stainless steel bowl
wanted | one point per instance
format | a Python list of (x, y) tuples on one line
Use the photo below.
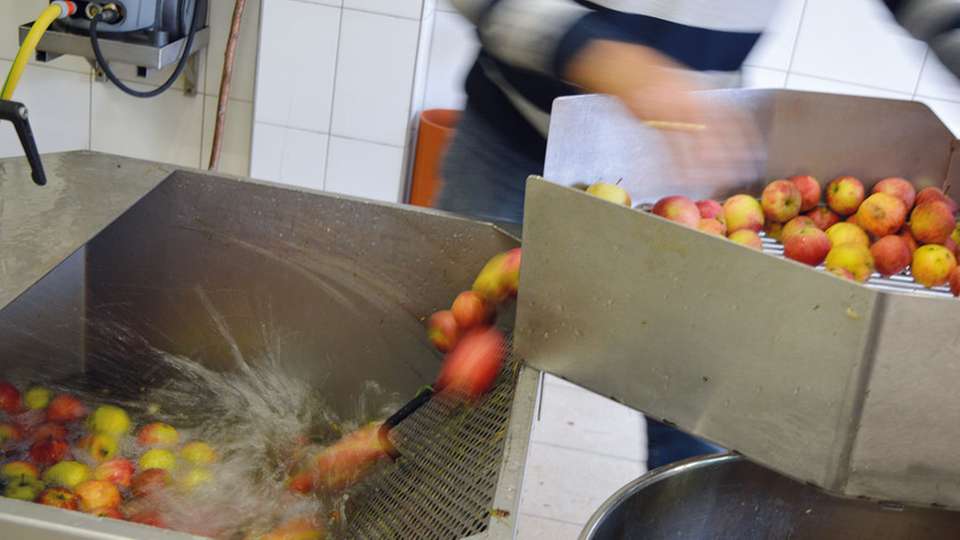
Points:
[(720, 497)]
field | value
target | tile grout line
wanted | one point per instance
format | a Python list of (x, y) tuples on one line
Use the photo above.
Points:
[(410, 144), (589, 452), (796, 43), (565, 522), (333, 100), (923, 66), (861, 85)]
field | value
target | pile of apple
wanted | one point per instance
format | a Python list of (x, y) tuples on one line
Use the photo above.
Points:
[(56, 452), (853, 234)]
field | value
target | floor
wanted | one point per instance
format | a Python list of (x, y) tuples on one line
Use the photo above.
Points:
[(584, 447)]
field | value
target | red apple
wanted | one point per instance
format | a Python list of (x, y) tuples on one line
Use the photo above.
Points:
[(58, 497), (891, 255), (472, 367), (65, 408), (150, 481), (852, 257), (809, 191), (823, 217), (119, 471), (710, 209), (158, 434), (152, 518), (712, 226), (742, 212), (97, 495), (843, 273), (844, 195), (10, 433), (907, 237), (747, 238), (899, 188), (10, 402), (296, 529), (774, 230), (809, 245), (679, 209), (470, 310), (49, 451), (511, 270), (48, 430), (112, 513), (781, 201), (955, 282), (935, 194), (442, 330), (881, 214), (796, 225), (931, 222)]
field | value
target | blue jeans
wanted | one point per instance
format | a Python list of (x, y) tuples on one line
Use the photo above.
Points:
[(484, 178)]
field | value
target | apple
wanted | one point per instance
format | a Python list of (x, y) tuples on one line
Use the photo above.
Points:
[(10, 433), (511, 270), (955, 281), (844, 195), (112, 513), (37, 397), (9, 398), (492, 282), (809, 191), (809, 245), (23, 489), (470, 310), (712, 226), (932, 222), (297, 529), (852, 219), (198, 453), (842, 272), (472, 367), (852, 257), (19, 469), (823, 217), (773, 230), (881, 215), (97, 494), (66, 474), (846, 233), (951, 245), (49, 451), (935, 194), (610, 192), (899, 188), (152, 518), (150, 481), (157, 458), (65, 408), (932, 264), (679, 209), (341, 464), (100, 447), (710, 209), (909, 239), (110, 420), (796, 225), (193, 478), (158, 434), (119, 471), (742, 212), (891, 254), (442, 330), (48, 430), (747, 238), (781, 201), (58, 497)]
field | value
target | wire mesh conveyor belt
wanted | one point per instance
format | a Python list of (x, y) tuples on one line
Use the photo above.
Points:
[(451, 458)]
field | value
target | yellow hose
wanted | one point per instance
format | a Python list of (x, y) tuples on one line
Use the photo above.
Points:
[(50, 14)]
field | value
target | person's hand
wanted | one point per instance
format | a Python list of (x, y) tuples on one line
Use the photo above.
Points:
[(709, 142)]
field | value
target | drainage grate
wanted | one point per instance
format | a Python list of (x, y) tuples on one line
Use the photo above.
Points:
[(443, 486)]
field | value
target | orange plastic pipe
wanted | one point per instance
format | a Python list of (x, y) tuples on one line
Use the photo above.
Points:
[(436, 129)]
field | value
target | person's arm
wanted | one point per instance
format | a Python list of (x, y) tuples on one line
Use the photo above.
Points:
[(936, 22)]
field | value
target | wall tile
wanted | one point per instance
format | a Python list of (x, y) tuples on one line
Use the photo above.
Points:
[(245, 64), (411, 9), (815, 84), (59, 105), (365, 169), (936, 81), (754, 77), (298, 47), (776, 46), (452, 53), (445, 5), (422, 71), (235, 153), (375, 77), (538, 528), (948, 111), (167, 128), (856, 41), (289, 156), (266, 152), (17, 12)]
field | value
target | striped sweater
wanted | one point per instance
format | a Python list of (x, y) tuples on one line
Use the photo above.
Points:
[(527, 45)]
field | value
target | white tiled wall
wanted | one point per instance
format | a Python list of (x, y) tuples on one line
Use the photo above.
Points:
[(338, 84), (851, 47), (72, 111)]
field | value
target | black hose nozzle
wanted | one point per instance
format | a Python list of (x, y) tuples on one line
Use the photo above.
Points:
[(17, 113)]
